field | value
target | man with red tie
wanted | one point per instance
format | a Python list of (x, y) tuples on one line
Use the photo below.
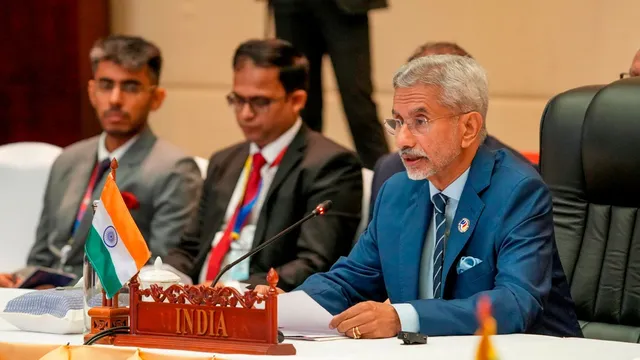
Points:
[(257, 188)]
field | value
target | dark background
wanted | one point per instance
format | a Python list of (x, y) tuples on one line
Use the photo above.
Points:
[(44, 69)]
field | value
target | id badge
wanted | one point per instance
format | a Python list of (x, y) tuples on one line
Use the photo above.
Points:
[(238, 248)]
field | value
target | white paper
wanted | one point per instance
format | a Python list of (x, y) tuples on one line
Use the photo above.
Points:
[(299, 315), (240, 286)]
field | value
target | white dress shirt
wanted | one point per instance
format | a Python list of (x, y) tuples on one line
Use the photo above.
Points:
[(118, 153), (243, 244)]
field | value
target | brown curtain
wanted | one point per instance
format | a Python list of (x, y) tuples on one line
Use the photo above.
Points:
[(44, 68)]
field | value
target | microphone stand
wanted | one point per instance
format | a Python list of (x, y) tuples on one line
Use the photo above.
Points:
[(314, 213), (319, 210)]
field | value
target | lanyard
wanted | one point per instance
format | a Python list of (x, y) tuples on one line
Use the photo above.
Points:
[(242, 213), (86, 199), (84, 204)]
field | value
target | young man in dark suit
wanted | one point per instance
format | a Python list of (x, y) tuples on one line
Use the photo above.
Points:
[(283, 170)]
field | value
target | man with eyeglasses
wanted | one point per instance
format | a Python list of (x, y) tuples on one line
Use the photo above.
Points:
[(159, 182), (391, 164), (464, 223), (634, 69), (259, 187)]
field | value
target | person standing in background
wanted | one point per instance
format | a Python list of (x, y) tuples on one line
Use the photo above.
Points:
[(339, 28)]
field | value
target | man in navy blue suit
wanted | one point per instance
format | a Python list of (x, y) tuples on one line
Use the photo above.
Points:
[(390, 164), (462, 223)]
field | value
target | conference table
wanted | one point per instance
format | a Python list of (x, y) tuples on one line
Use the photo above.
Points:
[(517, 346)]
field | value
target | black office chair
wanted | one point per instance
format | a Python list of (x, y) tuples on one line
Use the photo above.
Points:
[(590, 158)]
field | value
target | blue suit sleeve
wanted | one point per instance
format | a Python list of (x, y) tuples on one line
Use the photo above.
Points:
[(351, 279), (523, 271)]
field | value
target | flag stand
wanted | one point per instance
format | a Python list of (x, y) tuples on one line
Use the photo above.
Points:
[(110, 314), (188, 317)]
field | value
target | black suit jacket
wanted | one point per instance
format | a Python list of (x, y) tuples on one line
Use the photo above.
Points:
[(391, 164), (347, 6), (312, 170)]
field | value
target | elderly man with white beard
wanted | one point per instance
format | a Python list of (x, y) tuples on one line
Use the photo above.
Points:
[(464, 223)]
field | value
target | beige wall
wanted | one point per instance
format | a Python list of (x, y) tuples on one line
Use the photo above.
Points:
[(532, 49)]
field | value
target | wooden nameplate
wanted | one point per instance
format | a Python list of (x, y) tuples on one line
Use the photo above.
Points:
[(201, 318)]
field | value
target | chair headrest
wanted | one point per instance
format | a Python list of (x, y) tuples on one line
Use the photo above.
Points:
[(611, 145), (589, 140), (28, 154)]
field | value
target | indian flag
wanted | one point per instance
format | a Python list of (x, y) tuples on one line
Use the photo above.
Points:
[(115, 247)]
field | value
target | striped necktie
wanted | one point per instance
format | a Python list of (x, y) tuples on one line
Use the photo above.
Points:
[(439, 204)]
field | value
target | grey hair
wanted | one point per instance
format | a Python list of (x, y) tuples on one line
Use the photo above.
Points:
[(462, 81), (130, 52)]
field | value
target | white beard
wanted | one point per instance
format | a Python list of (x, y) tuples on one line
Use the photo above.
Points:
[(418, 174)]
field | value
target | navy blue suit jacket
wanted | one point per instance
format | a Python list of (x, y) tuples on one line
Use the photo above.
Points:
[(511, 230)]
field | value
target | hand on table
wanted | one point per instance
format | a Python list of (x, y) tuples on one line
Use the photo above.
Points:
[(44, 287), (208, 283), (368, 320), (9, 280), (264, 290)]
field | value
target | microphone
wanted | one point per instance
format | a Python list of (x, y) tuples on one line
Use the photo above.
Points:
[(320, 210)]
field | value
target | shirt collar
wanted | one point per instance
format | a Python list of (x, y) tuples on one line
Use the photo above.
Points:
[(454, 190), (274, 148), (103, 153)]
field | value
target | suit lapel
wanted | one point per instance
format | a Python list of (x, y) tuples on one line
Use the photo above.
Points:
[(292, 157), (470, 208), (412, 239), (133, 159), (130, 163)]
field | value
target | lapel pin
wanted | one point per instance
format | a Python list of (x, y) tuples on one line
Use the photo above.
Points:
[(463, 225)]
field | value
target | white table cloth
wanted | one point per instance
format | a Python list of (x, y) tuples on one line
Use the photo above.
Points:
[(517, 346)]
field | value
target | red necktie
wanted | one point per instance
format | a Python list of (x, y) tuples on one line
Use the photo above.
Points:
[(251, 191)]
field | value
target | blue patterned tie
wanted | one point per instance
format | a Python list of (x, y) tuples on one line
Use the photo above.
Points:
[(439, 203)]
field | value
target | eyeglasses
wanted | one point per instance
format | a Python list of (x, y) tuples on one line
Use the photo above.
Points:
[(257, 104), (418, 126), (126, 87)]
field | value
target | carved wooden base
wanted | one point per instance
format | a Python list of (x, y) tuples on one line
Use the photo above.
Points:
[(203, 345), (197, 318), (104, 317)]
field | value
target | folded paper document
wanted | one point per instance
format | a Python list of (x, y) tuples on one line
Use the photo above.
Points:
[(300, 317)]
